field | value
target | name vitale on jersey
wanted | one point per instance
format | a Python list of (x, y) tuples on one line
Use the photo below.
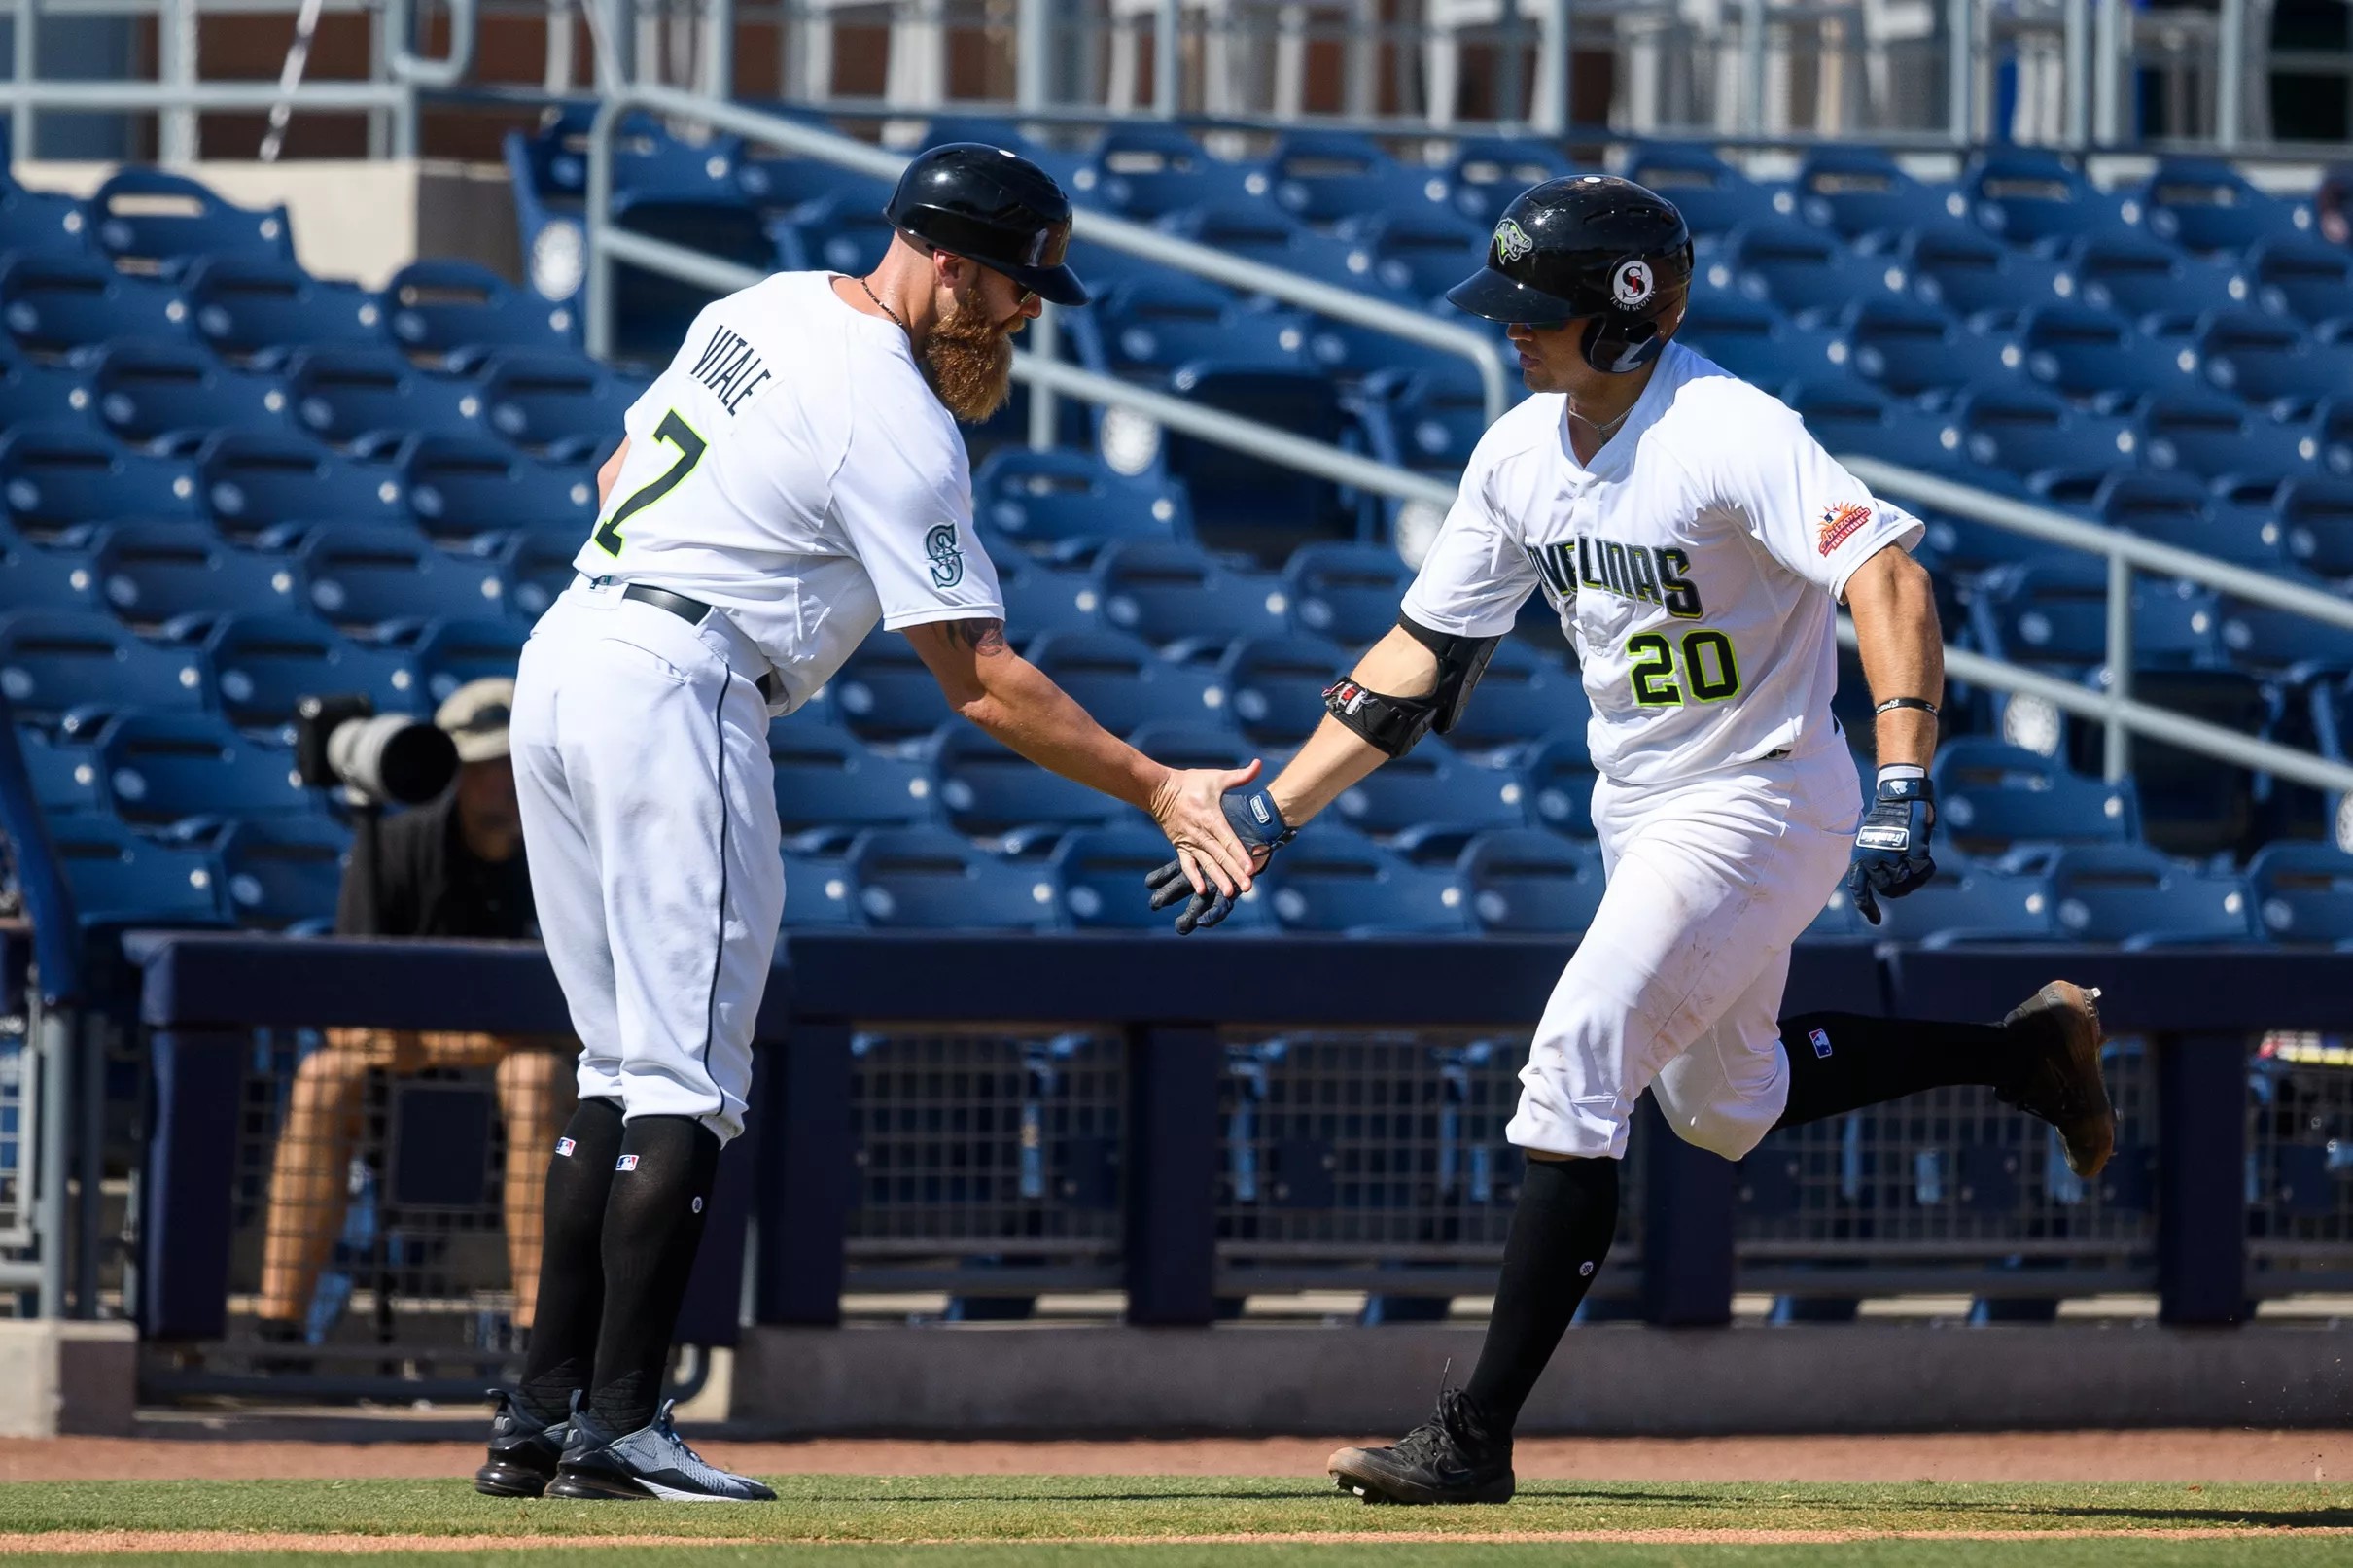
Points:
[(730, 367), (1646, 574)]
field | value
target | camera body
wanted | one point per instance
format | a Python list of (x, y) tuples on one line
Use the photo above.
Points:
[(341, 741)]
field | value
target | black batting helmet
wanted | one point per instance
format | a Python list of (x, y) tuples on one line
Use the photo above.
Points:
[(1587, 245), (994, 207)]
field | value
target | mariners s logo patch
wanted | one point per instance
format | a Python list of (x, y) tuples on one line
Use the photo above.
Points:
[(947, 556), (1840, 520), (1512, 241), (1632, 284)]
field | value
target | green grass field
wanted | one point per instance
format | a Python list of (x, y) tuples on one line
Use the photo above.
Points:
[(1155, 1522)]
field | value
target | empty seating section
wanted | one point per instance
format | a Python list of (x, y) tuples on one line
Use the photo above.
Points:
[(228, 484)]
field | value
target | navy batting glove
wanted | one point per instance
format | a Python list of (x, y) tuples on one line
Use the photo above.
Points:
[(1891, 846), (1258, 823)]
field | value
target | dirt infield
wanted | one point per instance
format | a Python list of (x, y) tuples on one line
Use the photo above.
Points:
[(194, 1453)]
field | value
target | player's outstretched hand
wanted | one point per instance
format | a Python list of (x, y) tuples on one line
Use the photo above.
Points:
[(1212, 855), (1891, 846), (1256, 823)]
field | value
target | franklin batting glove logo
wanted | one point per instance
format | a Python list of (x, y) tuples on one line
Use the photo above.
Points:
[(947, 556), (1258, 809)]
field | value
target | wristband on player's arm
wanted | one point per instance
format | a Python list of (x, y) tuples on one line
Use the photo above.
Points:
[(1257, 822)]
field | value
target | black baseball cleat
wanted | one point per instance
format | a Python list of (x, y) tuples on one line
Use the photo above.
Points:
[(652, 1462), (1449, 1458), (2061, 1080), (523, 1454)]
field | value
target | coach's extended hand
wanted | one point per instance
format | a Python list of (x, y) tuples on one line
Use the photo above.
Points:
[(1258, 823), (1891, 846)]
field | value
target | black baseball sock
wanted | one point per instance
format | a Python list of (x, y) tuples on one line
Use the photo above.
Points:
[(1559, 1233), (1843, 1062), (572, 1269), (653, 1221)]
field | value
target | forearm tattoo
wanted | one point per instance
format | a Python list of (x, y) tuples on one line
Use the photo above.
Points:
[(982, 637)]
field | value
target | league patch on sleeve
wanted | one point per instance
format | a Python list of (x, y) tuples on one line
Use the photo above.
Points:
[(1840, 520)]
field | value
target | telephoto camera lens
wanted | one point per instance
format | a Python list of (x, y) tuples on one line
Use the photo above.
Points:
[(392, 757)]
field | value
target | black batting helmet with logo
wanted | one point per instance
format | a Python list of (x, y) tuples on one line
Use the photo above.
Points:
[(994, 207), (1590, 245)]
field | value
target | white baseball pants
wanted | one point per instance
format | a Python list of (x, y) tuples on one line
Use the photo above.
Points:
[(1677, 985), (640, 759)]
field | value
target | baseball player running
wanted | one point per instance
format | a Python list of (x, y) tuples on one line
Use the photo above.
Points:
[(1696, 544), (794, 477)]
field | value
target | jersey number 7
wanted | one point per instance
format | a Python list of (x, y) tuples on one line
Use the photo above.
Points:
[(690, 449)]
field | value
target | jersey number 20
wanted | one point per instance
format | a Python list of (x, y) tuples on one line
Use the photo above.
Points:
[(690, 449), (1709, 668)]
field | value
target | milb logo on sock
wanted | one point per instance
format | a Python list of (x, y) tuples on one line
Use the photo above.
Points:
[(627, 1162)]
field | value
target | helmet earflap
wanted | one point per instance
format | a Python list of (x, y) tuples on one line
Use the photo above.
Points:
[(1616, 346)]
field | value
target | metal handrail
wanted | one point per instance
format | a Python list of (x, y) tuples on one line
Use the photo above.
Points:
[(1324, 299), (2124, 553), (420, 70)]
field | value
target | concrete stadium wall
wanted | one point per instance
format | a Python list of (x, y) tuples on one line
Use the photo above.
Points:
[(1615, 1379), (357, 219)]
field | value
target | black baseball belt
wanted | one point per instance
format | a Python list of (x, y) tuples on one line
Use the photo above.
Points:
[(693, 612)]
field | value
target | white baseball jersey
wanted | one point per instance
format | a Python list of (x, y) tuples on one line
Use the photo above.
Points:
[(1695, 563), (794, 468)]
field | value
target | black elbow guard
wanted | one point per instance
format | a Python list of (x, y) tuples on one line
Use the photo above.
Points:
[(1395, 725)]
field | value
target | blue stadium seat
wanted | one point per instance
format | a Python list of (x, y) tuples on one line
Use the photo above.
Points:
[(1522, 697), (2134, 276), (2271, 358), (817, 892), (1990, 796), (1275, 685), (452, 651), (983, 786), (1966, 902), (1151, 326), (2053, 612), (175, 393), (1167, 592), (2131, 894), (2260, 638), (2025, 195), (245, 305), (1123, 683), (1100, 872), (2173, 509), (152, 572), (2028, 432), (57, 661), (53, 305), (1321, 176), (34, 577), (780, 187), (65, 778), (1756, 342), (460, 486), (1412, 251), (560, 406), (2306, 278), (1348, 593), (1426, 419), (150, 214), (440, 307), (1244, 502), (53, 477), (118, 877), (1038, 598), (1487, 173), (927, 878), (1061, 504), (1559, 773), (263, 665), (2204, 204), (1528, 881), (886, 692), (1857, 191), (1197, 743), (2303, 892), (1960, 268), (45, 394), (1799, 268), (363, 574), (1713, 198), (1909, 348), (1433, 783), (844, 232), (2213, 437), (1146, 170), (1256, 229), (374, 396), (826, 778), (46, 222), (2317, 517), (284, 871), (1332, 880), (2086, 353), (257, 482), (164, 768)]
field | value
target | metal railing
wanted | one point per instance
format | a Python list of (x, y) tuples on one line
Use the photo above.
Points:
[(2126, 553), (1100, 229)]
